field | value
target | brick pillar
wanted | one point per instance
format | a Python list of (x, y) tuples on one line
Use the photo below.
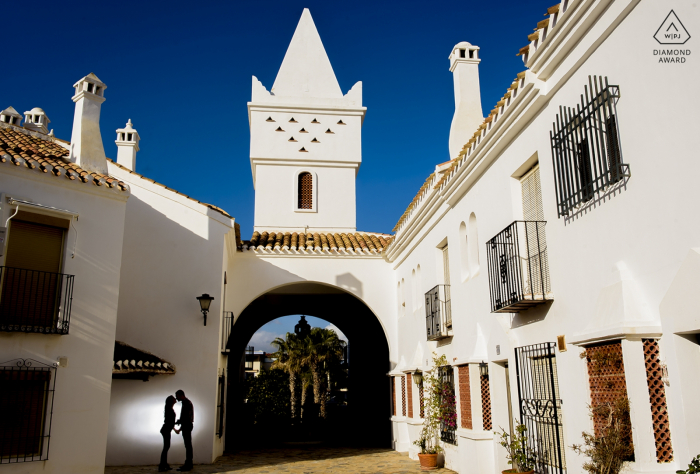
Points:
[(409, 386), (657, 400), (486, 402), (403, 396), (393, 396), (465, 397)]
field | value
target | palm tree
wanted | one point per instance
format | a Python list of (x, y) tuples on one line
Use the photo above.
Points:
[(325, 349), (290, 355)]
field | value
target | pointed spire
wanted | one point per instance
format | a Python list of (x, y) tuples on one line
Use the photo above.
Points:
[(306, 70)]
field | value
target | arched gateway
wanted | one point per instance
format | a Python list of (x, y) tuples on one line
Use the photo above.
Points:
[(368, 418)]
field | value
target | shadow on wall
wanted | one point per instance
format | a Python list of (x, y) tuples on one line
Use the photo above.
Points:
[(349, 283), (532, 315)]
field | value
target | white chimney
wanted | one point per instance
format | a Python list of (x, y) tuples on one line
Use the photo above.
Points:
[(11, 116), (36, 120), (464, 65), (87, 150), (127, 146)]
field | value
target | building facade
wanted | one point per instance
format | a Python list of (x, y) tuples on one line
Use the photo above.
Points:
[(552, 260)]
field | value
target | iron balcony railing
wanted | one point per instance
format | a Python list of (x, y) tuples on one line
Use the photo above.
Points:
[(438, 312), (34, 301), (586, 149), (518, 267), (226, 328)]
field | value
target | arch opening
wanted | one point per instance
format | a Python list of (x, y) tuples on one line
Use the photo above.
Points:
[(367, 418)]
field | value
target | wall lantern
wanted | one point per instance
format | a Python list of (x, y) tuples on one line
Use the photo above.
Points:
[(204, 303), (417, 378), (484, 368)]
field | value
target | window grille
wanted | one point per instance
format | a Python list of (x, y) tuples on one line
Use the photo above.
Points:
[(448, 424), (26, 403), (541, 405), (305, 193), (438, 312), (403, 396), (657, 400), (409, 395), (220, 406), (465, 397), (586, 148), (393, 395), (249, 357)]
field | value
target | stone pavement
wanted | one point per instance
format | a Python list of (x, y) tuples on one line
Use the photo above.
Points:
[(316, 460)]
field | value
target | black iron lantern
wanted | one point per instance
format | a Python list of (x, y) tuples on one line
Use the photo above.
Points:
[(484, 369), (204, 303), (418, 378)]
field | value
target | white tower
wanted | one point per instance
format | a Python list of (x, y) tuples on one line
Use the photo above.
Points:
[(305, 146), (464, 65), (127, 145), (87, 150), (36, 120)]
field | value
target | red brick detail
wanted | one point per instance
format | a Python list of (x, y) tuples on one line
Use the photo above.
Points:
[(465, 397), (421, 400), (486, 402), (393, 396), (409, 386), (657, 399), (606, 377), (403, 396)]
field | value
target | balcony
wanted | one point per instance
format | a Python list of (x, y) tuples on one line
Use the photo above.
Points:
[(438, 313), (518, 267), (34, 301)]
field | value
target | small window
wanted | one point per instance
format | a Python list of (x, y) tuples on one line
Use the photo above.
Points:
[(129, 136), (90, 87), (37, 119), (471, 54), (97, 90), (462, 53), (26, 400), (305, 193)]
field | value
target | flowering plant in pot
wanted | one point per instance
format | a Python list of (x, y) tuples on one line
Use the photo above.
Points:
[(521, 456), (429, 438)]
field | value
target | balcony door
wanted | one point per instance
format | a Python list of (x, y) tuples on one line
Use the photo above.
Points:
[(31, 277), (534, 263)]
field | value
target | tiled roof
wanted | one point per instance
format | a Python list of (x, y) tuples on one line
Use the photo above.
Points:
[(130, 361), (439, 180), (40, 153), (358, 243), (210, 206)]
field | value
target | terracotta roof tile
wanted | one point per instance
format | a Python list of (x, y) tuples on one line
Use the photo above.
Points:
[(33, 151), (131, 361), (358, 243)]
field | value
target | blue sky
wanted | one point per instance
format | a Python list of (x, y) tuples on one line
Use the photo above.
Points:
[(281, 326), (182, 72)]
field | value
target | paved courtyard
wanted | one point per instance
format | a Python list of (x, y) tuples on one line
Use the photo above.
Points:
[(300, 461)]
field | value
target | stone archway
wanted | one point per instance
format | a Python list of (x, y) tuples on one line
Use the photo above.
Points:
[(368, 387)]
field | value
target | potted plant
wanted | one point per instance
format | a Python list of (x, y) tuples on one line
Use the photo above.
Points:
[(693, 467), (520, 455), (429, 438)]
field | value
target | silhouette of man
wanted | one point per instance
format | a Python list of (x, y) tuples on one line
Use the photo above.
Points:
[(186, 423)]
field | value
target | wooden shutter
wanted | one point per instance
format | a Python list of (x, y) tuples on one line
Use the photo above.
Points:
[(446, 264), (305, 191), (31, 283)]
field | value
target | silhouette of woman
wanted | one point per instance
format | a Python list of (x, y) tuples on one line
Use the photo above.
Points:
[(168, 426)]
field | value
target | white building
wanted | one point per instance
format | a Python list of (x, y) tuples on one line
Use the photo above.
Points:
[(553, 230)]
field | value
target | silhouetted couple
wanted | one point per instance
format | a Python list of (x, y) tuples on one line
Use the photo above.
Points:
[(186, 423)]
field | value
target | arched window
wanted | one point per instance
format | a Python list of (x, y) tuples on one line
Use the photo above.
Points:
[(306, 191), (464, 251), (473, 246)]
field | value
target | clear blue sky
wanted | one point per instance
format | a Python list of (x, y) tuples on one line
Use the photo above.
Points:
[(182, 72)]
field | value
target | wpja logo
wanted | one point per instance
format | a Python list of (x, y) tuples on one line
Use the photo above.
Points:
[(673, 32)]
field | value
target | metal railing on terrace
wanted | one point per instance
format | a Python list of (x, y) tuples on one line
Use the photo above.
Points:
[(34, 301), (518, 267), (438, 312)]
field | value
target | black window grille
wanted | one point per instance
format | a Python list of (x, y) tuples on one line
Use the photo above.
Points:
[(586, 148), (518, 267), (438, 312), (220, 406), (448, 423), (226, 328), (26, 403), (34, 301), (541, 405)]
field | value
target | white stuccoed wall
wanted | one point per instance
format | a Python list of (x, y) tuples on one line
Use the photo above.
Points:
[(305, 90), (174, 250), (81, 401), (645, 227)]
